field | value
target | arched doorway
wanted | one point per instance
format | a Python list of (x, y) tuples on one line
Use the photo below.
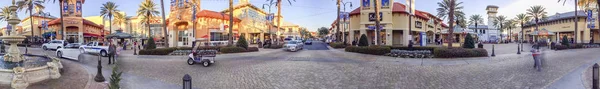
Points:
[(181, 34), (72, 34)]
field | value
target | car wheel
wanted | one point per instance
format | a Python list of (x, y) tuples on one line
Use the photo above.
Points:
[(103, 53), (190, 61), (44, 48), (205, 63), (58, 47), (59, 54)]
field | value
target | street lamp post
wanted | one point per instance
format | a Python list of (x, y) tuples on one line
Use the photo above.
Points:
[(269, 20), (345, 24)]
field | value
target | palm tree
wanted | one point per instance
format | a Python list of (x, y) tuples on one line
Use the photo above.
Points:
[(62, 26), (164, 23), (109, 9), (450, 9), (499, 21), (120, 19), (148, 10), (475, 19), (537, 12), (278, 9), (29, 6), (5, 13), (522, 18), (509, 25)]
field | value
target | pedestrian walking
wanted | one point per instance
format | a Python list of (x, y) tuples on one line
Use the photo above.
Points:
[(535, 52), (111, 52)]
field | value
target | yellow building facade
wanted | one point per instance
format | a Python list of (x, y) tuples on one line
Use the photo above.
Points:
[(253, 19), (38, 18), (394, 23), (559, 25)]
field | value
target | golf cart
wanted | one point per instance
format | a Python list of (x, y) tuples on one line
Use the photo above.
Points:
[(204, 56)]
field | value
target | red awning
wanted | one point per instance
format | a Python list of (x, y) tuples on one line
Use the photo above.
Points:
[(90, 35), (205, 36)]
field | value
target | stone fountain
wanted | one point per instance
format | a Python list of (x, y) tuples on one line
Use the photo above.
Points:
[(18, 70)]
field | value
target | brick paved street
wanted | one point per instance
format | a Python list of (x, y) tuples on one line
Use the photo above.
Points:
[(341, 70)]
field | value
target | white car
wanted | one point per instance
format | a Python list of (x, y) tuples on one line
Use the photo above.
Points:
[(69, 53), (293, 46), (94, 48), (54, 44)]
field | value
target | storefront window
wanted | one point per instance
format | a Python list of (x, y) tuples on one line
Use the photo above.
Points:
[(183, 37), (218, 36)]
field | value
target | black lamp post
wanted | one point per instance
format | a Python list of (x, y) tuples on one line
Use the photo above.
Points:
[(187, 82), (493, 53), (99, 77), (595, 76)]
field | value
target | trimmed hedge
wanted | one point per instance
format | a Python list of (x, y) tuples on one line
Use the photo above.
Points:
[(232, 50), (166, 51), (337, 45), (413, 48), (374, 50), (444, 52), (252, 49), (570, 46)]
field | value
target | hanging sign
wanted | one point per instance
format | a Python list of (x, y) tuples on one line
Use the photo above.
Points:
[(65, 6), (78, 6), (366, 3), (423, 38)]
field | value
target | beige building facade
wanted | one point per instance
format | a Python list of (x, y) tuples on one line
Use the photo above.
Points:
[(559, 25)]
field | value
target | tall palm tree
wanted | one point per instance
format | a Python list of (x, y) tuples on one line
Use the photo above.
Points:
[(164, 23), (450, 9), (29, 6), (278, 9), (522, 18), (475, 19), (509, 25), (62, 26), (499, 21), (4, 13), (120, 19), (537, 12), (148, 10), (109, 9)]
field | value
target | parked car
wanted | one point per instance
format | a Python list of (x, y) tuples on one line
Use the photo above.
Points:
[(308, 42), (94, 48), (68, 52), (73, 45), (54, 44), (293, 46)]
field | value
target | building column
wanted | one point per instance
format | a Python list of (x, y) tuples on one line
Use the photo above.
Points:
[(172, 38), (262, 37), (350, 36), (80, 35), (406, 37), (558, 38), (388, 37), (586, 35)]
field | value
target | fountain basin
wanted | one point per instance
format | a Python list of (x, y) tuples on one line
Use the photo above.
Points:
[(35, 68)]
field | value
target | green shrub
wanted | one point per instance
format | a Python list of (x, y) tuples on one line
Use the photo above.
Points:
[(413, 48), (242, 42), (445, 52), (274, 46), (561, 47), (232, 50), (363, 40), (252, 49), (150, 44), (159, 51), (469, 42), (337, 45), (115, 79), (565, 41), (375, 50)]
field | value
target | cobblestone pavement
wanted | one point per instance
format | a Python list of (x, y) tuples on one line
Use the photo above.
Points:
[(510, 48), (334, 69), (342, 70)]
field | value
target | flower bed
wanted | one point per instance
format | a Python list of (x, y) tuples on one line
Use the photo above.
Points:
[(411, 53), (444, 52)]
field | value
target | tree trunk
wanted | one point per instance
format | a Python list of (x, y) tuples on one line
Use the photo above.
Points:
[(30, 19), (337, 26), (576, 21), (451, 30), (278, 14), (109, 23), (62, 24), (148, 24), (162, 6), (475, 29), (377, 37), (230, 22)]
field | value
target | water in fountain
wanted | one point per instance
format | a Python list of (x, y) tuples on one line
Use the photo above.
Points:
[(31, 61)]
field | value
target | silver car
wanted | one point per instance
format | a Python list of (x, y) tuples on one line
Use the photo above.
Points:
[(293, 45)]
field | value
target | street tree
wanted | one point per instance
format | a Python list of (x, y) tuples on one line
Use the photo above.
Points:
[(29, 6), (147, 10), (452, 10), (109, 10), (537, 12), (323, 31)]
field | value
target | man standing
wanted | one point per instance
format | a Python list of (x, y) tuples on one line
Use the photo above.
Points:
[(111, 52)]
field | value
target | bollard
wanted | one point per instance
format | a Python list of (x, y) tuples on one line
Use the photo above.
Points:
[(595, 84), (99, 77), (518, 49), (493, 53), (187, 82)]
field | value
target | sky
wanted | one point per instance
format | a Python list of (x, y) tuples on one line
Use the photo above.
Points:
[(314, 14)]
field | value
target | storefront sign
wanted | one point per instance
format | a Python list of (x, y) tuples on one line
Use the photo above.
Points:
[(385, 3), (65, 6), (372, 16), (590, 19), (78, 6), (366, 3), (418, 24)]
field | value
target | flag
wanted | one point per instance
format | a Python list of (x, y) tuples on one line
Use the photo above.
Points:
[(78, 6), (411, 8)]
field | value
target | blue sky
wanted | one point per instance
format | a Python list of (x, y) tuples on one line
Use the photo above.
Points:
[(321, 13)]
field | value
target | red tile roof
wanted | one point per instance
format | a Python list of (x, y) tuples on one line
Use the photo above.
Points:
[(213, 14), (85, 22)]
